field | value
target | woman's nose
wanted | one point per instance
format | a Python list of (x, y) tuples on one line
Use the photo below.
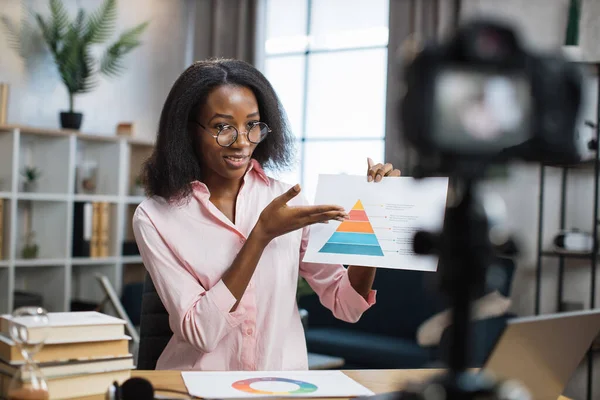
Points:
[(242, 139)]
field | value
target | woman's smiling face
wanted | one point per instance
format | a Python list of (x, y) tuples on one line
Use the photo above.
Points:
[(226, 105)]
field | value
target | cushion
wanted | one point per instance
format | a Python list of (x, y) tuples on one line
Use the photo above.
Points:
[(491, 305), (368, 349)]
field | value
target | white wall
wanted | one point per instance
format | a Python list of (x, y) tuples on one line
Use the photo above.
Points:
[(37, 95), (543, 25)]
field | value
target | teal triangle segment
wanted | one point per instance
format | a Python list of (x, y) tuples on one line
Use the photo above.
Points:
[(365, 244)]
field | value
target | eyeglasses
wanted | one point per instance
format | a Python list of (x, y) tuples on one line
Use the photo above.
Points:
[(228, 134)]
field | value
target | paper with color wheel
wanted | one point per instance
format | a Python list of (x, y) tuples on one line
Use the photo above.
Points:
[(242, 384)]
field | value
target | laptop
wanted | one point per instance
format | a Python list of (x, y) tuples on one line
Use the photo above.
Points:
[(543, 351)]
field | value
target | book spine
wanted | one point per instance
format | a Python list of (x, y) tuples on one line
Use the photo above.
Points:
[(103, 229), (1, 228), (94, 243), (3, 103), (82, 228)]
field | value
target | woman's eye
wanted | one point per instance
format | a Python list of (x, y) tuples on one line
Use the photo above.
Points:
[(251, 124)]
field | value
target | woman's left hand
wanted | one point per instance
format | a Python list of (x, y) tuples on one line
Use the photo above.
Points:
[(376, 172)]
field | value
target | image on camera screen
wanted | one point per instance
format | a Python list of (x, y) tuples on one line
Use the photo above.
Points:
[(480, 112)]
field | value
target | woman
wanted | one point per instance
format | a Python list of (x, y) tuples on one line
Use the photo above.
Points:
[(223, 242)]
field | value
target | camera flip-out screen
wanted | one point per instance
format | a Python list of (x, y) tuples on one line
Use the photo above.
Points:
[(478, 112)]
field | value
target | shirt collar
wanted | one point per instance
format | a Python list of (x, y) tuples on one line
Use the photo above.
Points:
[(254, 168)]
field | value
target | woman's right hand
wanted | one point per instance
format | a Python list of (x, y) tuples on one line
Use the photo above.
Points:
[(278, 218)]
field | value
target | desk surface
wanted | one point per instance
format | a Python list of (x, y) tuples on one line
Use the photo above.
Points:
[(379, 381)]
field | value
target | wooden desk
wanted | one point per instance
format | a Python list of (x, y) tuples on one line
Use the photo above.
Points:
[(322, 361), (379, 381)]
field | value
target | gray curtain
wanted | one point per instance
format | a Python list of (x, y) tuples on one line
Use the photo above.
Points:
[(422, 20), (223, 28)]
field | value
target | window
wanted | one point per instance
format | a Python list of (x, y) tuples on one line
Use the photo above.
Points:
[(327, 60)]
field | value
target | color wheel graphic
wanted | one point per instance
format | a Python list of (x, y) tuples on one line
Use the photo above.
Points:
[(354, 236), (244, 386)]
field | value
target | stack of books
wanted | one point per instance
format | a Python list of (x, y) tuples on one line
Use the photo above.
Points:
[(84, 353)]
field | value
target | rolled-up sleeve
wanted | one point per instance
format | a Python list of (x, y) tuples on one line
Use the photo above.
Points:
[(332, 284), (201, 316)]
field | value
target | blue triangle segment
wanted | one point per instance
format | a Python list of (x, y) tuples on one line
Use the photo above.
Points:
[(365, 244)]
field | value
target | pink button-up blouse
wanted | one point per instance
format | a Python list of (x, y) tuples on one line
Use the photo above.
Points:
[(187, 248)]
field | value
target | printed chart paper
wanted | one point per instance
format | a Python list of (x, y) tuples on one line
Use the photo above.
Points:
[(384, 216), (241, 384)]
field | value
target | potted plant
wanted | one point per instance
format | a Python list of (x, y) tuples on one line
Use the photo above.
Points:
[(70, 43), (30, 249), (30, 178), (138, 187)]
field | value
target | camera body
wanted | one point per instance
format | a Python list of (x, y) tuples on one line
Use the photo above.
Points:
[(481, 98)]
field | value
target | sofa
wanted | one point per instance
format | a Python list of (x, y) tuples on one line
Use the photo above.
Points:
[(386, 334)]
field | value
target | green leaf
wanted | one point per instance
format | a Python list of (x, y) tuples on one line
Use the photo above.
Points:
[(131, 37), (12, 33), (101, 23), (46, 33), (111, 64), (59, 21)]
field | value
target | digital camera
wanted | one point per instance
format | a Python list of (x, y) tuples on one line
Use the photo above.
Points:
[(481, 98)]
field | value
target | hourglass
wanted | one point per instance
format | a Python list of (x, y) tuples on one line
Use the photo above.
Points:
[(28, 329)]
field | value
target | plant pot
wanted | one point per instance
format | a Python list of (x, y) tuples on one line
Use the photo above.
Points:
[(30, 251), (29, 186), (70, 120), (138, 191)]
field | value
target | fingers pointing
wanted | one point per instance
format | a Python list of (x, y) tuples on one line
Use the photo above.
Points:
[(290, 194)]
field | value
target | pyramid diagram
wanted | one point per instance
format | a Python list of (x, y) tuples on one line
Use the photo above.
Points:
[(354, 236)]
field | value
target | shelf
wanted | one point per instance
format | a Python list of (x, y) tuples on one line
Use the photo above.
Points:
[(47, 221), (96, 198), (584, 256), (41, 262), (42, 196), (93, 260), (135, 199), (580, 165), (7, 142), (46, 282), (80, 135), (132, 259), (76, 168), (84, 283), (50, 156), (96, 167)]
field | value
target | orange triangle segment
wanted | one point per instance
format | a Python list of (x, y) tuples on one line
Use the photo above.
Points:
[(358, 206)]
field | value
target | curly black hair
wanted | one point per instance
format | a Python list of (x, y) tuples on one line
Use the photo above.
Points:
[(174, 163)]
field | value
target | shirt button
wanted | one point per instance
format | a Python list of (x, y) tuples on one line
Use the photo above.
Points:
[(249, 332), (242, 240)]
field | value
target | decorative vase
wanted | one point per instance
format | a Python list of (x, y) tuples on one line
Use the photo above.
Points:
[(70, 120)]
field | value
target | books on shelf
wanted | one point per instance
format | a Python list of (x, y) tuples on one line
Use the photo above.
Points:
[(1, 227), (91, 224), (84, 353)]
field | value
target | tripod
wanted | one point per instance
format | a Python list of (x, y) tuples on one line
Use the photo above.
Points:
[(465, 251)]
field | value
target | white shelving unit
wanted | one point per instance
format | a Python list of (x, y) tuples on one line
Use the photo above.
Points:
[(54, 274)]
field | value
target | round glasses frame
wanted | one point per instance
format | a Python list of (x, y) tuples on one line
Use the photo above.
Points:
[(262, 126)]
